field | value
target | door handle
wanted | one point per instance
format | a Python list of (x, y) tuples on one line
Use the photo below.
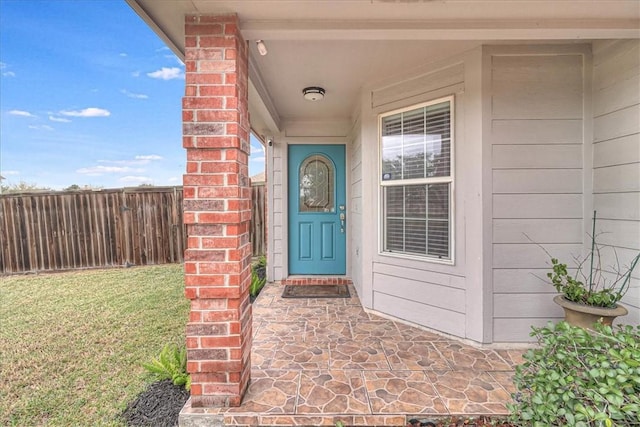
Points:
[(342, 221)]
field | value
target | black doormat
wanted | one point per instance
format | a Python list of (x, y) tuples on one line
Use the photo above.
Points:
[(316, 291)]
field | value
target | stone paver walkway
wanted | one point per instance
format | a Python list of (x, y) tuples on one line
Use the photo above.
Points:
[(318, 361)]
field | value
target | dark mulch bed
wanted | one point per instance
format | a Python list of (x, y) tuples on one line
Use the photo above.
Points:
[(479, 421), (159, 405)]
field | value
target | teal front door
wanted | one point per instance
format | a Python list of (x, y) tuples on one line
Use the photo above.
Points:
[(317, 210)]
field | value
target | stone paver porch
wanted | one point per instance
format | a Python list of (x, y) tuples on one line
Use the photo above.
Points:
[(318, 361)]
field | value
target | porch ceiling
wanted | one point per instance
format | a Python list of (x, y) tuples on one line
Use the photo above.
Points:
[(339, 44)]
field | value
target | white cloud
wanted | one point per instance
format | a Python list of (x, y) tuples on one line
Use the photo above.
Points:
[(136, 74), (136, 179), (167, 73), (101, 170), (149, 157), (40, 127), (59, 119), (87, 112), (9, 74), (257, 149), (134, 95), (174, 179), (9, 173), (21, 113), (123, 54)]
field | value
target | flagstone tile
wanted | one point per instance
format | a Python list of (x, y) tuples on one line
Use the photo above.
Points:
[(402, 392), (415, 356), (505, 379), (511, 356), (347, 313), (469, 392), (332, 392), (411, 333), (307, 313), (267, 313), (460, 356), (357, 355), (364, 331), (262, 354), (301, 355), (283, 331), (304, 420), (270, 392), (327, 331)]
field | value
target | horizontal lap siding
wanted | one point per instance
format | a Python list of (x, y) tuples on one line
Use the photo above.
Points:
[(616, 153), (537, 181), (432, 299), (419, 291)]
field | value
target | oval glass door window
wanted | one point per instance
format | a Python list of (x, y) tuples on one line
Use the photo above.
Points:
[(317, 184)]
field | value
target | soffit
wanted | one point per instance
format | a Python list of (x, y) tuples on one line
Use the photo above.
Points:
[(341, 44)]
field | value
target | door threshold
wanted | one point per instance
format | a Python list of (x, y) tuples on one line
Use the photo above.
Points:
[(316, 280)]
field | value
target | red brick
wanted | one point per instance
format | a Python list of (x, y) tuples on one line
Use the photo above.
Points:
[(220, 242), (221, 292), (219, 167), (201, 154), (208, 54), (217, 267), (219, 90), (220, 315), (206, 41), (198, 29), (218, 217), (190, 293), (216, 142), (204, 280), (205, 78), (217, 342), (203, 102), (222, 66), (210, 304), (217, 116)]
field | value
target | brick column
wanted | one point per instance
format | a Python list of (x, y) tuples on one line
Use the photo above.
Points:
[(217, 210)]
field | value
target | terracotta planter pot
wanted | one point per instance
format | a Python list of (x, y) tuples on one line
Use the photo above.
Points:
[(586, 315)]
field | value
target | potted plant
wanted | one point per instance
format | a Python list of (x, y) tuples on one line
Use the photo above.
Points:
[(590, 298)]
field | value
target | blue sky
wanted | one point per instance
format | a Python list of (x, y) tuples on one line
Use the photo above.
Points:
[(89, 95)]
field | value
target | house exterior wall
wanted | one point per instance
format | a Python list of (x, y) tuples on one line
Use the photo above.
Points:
[(354, 162), (276, 261), (537, 139), (537, 148), (616, 156), (441, 296)]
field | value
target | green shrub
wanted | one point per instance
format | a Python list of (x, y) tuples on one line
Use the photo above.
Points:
[(171, 364), (579, 378), (258, 276)]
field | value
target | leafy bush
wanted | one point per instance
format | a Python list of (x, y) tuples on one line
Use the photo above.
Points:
[(171, 364), (579, 378), (258, 276)]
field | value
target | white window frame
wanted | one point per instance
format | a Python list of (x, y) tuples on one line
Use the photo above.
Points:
[(421, 181)]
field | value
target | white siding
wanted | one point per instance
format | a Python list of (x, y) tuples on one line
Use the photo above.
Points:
[(616, 156), (277, 191), (536, 116), (431, 294), (354, 153)]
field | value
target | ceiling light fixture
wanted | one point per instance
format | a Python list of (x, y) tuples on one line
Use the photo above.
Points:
[(313, 93), (262, 48)]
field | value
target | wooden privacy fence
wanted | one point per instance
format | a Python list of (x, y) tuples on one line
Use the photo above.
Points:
[(81, 229), (84, 229), (258, 220)]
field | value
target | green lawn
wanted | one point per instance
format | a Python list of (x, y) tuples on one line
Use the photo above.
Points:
[(71, 344)]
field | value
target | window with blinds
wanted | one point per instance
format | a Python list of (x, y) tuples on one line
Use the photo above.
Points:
[(416, 181)]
